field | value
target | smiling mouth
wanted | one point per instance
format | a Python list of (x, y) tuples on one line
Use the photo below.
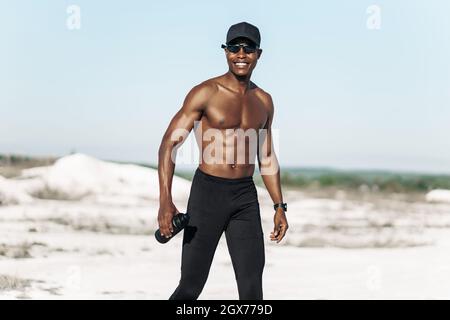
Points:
[(241, 64)]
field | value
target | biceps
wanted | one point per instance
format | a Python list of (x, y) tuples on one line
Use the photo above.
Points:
[(180, 126)]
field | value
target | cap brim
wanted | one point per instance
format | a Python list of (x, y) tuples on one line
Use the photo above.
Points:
[(242, 36)]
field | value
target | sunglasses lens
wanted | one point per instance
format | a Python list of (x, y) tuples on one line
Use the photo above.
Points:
[(249, 49), (233, 49)]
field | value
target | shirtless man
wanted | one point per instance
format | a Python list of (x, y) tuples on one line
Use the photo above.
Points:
[(223, 195)]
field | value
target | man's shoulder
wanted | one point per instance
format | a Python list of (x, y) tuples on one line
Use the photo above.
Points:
[(209, 86), (202, 92), (264, 96)]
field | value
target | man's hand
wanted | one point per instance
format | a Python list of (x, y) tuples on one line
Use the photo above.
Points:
[(165, 215), (281, 226)]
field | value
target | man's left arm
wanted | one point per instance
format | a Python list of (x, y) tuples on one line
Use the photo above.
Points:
[(270, 173)]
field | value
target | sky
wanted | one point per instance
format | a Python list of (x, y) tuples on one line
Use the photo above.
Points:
[(347, 94)]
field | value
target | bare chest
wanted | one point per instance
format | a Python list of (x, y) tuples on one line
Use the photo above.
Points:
[(228, 112)]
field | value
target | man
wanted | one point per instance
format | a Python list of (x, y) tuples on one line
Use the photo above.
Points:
[(223, 195)]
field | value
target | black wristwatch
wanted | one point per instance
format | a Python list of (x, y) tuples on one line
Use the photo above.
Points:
[(282, 205)]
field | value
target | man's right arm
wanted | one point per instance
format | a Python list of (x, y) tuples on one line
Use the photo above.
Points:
[(179, 127)]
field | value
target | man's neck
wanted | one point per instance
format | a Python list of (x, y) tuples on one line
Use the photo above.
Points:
[(238, 83)]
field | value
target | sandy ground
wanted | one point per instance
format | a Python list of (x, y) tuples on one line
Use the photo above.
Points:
[(95, 240), (65, 259)]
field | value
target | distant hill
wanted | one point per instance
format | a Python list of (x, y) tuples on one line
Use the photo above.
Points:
[(379, 180), (11, 164), (20, 160), (294, 177), (382, 180)]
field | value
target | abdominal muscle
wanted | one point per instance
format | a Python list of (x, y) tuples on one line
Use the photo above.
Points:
[(223, 156)]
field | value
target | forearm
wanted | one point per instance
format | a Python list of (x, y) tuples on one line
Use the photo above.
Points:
[(166, 168), (273, 185), (270, 174)]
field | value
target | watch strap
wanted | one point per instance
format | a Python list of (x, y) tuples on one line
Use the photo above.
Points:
[(282, 205)]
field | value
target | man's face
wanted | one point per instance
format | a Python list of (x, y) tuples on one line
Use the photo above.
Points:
[(241, 63)]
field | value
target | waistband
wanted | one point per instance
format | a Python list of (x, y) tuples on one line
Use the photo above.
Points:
[(210, 177)]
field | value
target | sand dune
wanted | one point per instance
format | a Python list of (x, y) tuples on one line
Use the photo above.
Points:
[(81, 177)]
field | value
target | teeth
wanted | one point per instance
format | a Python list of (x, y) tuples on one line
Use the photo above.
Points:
[(241, 63)]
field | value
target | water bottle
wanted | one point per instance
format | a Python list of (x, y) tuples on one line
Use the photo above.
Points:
[(179, 221)]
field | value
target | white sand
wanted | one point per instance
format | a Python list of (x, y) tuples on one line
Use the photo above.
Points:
[(438, 195), (101, 246), (86, 265), (11, 193)]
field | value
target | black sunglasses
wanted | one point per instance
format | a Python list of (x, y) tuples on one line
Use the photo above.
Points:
[(234, 48)]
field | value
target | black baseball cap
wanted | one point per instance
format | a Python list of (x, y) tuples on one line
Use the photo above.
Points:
[(246, 30)]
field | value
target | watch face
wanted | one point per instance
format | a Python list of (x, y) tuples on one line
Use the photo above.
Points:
[(280, 205)]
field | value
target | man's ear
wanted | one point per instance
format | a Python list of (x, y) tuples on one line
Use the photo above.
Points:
[(259, 53)]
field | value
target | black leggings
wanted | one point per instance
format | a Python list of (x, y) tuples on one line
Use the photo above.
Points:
[(215, 205)]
